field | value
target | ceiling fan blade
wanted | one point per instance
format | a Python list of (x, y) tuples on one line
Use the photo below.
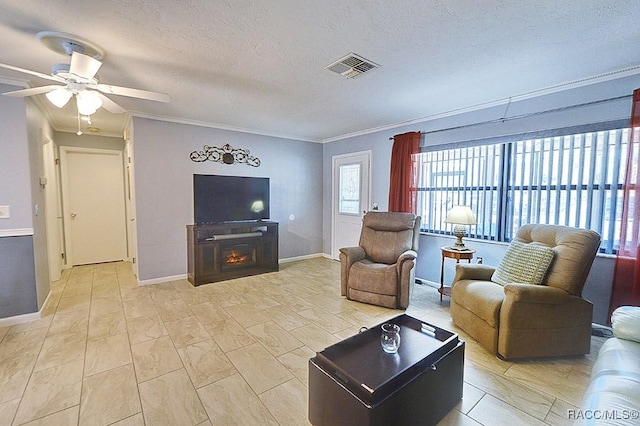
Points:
[(111, 106), (36, 73), (84, 66), (30, 92), (134, 93)]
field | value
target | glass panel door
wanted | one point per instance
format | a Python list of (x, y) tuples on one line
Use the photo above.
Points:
[(350, 182)]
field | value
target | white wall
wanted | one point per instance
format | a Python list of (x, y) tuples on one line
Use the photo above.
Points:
[(598, 286), (164, 190)]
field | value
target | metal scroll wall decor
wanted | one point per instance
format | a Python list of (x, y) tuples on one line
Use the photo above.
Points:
[(225, 154)]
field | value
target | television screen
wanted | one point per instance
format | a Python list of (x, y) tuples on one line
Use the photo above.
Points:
[(229, 198)]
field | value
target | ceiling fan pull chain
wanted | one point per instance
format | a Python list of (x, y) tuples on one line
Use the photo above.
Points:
[(79, 132)]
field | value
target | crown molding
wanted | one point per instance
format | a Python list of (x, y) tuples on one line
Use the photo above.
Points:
[(613, 75), (14, 82), (221, 127)]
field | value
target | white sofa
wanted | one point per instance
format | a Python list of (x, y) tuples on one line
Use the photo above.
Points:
[(613, 395)]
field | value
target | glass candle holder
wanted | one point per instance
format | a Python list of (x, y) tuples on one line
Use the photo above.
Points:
[(390, 338)]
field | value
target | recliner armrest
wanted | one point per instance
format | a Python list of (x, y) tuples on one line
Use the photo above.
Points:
[(348, 256), (407, 255), (529, 293), (353, 254), (473, 271)]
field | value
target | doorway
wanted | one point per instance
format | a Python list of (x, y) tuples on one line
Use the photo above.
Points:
[(93, 205), (351, 194)]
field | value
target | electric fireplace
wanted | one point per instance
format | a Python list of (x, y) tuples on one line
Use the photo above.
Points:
[(241, 255), (225, 251)]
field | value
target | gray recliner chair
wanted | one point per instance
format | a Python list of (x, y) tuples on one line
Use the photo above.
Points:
[(380, 271)]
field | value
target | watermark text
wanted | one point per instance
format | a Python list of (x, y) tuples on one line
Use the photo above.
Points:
[(603, 414)]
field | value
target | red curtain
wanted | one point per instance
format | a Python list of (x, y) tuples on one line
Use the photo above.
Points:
[(626, 274), (403, 179)]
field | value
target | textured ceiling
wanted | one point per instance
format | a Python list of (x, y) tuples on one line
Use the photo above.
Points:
[(258, 65)]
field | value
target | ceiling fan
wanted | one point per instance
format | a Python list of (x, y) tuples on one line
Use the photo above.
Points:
[(79, 78)]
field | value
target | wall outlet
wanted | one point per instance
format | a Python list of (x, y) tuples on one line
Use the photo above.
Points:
[(5, 212)]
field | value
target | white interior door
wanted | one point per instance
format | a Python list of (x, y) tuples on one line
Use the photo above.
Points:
[(94, 205), (130, 205), (351, 198)]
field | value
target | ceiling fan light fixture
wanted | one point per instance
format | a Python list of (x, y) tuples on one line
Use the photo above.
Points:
[(88, 102), (59, 97)]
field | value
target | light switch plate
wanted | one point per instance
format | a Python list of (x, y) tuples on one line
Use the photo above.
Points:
[(5, 212)]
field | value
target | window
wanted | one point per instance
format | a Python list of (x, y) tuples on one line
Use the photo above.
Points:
[(349, 189), (571, 179)]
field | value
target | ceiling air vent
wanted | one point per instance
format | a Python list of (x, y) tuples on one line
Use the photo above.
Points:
[(351, 66)]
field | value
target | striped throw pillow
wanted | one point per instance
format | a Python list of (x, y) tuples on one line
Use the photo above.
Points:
[(523, 263)]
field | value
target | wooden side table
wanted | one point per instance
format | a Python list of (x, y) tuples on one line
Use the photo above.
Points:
[(448, 252)]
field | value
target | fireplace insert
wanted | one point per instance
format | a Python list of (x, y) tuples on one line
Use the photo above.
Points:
[(239, 255)]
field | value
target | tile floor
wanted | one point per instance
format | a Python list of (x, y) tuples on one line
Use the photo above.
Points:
[(110, 352)]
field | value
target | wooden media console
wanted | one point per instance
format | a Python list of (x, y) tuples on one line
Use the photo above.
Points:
[(225, 251)]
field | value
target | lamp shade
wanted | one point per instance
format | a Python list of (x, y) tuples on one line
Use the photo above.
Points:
[(461, 215), (88, 102), (59, 97)]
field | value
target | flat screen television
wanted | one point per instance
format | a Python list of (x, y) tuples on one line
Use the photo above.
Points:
[(219, 199)]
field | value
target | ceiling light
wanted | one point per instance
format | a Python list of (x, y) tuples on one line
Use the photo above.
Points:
[(88, 102), (59, 97)]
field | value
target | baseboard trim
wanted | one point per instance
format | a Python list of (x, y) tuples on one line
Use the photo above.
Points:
[(162, 279), (184, 276), (19, 319), (427, 282), (46, 303), (296, 258)]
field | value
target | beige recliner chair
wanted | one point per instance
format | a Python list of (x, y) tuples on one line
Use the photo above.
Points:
[(520, 320), (380, 271)]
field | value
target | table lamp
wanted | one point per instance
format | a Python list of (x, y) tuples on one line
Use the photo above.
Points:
[(461, 216)]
